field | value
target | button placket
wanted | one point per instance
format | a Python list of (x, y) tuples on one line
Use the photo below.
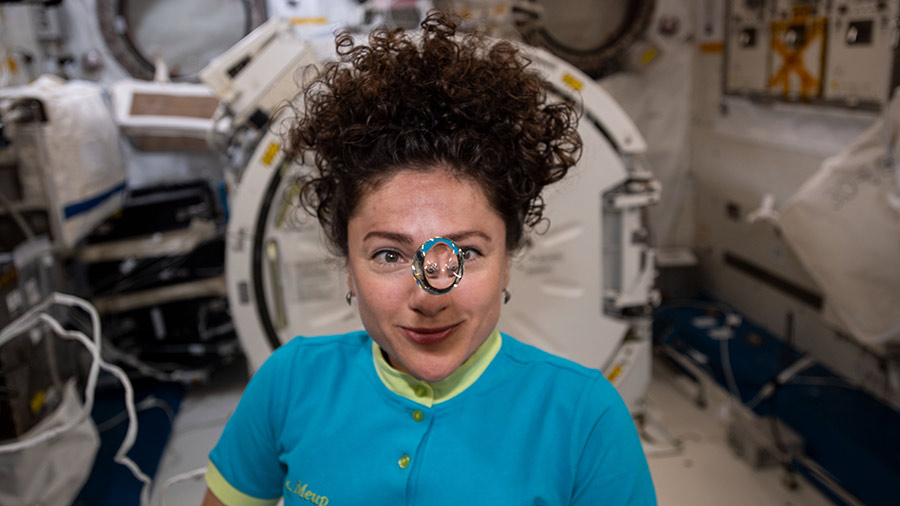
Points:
[(417, 415)]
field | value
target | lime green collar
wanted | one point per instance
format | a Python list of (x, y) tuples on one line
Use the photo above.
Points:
[(427, 393)]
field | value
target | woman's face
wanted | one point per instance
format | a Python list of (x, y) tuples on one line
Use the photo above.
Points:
[(428, 336)]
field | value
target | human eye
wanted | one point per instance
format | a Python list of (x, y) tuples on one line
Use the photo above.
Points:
[(387, 257), (469, 254)]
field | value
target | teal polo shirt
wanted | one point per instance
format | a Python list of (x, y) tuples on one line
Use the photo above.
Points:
[(328, 421)]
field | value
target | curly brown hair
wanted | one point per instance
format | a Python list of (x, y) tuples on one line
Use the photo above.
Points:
[(463, 103)]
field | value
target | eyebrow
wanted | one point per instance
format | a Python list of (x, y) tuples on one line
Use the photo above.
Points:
[(407, 240), (462, 236), (391, 236)]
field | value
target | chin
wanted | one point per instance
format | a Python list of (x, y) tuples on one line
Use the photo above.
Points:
[(433, 372)]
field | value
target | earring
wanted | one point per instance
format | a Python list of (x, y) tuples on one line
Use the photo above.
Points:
[(349, 298), (506, 296)]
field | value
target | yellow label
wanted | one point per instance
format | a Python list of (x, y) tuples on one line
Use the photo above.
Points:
[(309, 21), (617, 370), (271, 151), (649, 55), (37, 402), (572, 81)]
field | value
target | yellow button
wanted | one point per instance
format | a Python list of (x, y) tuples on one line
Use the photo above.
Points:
[(417, 415), (421, 391), (403, 462)]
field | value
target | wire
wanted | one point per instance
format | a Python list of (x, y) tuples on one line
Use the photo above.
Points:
[(782, 378), (184, 376), (30, 320), (34, 317), (188, 475), (730, 319), (726, 368), (148, 403)]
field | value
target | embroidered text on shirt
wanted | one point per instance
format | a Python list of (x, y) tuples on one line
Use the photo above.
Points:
[(302, 493)]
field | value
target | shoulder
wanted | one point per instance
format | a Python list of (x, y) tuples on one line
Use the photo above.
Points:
[(313, 355), (580, 387), (536, 361), (311, 348), (603, 444)]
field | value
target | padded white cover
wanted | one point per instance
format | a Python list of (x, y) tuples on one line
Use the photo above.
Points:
[(81, 161), (844, 224)]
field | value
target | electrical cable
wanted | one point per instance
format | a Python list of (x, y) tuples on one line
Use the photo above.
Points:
[(184, 376), (188, 475), (165, 372), (37, 315), (784, 377), (730, 319), (785, 455), (726, 369), (149, 402)]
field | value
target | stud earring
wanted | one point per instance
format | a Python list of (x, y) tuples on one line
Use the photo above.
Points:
[(506, 296), (349, 298)]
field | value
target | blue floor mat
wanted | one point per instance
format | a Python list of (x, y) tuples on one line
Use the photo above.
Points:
[(848, 432), (111, 484)]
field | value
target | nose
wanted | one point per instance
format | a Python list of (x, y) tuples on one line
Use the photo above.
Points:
[(427, 304)]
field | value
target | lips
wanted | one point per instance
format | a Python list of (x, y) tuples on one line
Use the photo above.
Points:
[(428, 335)]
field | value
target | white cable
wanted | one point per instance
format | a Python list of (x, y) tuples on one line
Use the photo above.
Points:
[(783, 377), (188, 475), (726, 367), (178, 376), (33, 318), (149, 402)]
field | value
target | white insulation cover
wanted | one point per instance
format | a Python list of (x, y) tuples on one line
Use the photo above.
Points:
[(844, 224), (81, 160), (52, 472)]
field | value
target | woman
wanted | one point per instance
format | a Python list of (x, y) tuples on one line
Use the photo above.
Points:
[(418, 137)]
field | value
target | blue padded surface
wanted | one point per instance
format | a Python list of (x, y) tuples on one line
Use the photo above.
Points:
[(113, 484), (846, 431)]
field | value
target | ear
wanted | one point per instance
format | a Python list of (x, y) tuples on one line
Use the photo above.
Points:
[(504, 276), (351, 285)]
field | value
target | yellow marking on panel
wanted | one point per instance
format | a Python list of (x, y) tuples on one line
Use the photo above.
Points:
[(649, 55), (271, 151), (572, 81), (617, 370), (37, 402), (309, 21), (792, 58)]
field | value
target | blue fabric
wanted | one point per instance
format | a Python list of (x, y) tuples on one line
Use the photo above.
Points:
[(112, 484), (84, 206), (317, 425)]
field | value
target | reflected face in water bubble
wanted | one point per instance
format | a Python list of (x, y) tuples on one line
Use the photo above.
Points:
[(427, 335), (438, 265)]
